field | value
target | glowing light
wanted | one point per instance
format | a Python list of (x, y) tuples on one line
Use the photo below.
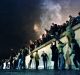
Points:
[(31, 42), (45, 32), (36, 28), (41, 37)]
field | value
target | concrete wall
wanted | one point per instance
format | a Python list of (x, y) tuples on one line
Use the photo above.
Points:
[(46, 48)]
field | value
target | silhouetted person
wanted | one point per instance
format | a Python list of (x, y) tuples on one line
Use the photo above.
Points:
[(11, 59), (37, 60), (76, 51), (44, 38), (45, 58), (71, 20), (31, 58), (61, 55), (32, 46), (68, 59), (20, 60), (78, 18), (52, 29), (74, 46), (16, 61), (25, 53), (39, 42), (54, 55), (69, 34)]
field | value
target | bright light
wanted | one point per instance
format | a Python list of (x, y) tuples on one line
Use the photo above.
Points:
[(40, 36), (45, 32), (36, 28)]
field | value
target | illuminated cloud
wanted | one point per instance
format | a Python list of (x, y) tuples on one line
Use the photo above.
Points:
[(51, 13)]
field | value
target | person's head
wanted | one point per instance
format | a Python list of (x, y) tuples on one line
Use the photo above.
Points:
[(18, 53), (52, 23), (11, 49), (55, 25), (59, 42), (36, 51), (79, 13), (70, 16), (53, 43), (67, 22), (31, 42)]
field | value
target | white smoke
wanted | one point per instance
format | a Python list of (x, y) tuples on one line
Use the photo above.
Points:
[(65, 3), (51, 12)]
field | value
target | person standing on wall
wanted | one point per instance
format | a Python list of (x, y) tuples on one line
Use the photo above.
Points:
[(44, 57)]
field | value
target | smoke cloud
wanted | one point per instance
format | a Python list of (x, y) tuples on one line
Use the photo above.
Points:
[(51, 13)]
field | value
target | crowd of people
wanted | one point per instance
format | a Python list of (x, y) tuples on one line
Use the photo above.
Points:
[(18, 61), (54, 32)]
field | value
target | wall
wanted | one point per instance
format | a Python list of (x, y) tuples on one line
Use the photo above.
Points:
[(48, 51)]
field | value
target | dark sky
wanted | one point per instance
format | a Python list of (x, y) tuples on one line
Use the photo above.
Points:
[(16, 23), (17, 19)]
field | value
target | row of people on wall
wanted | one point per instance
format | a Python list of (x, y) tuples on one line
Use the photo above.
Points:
[(18, 62), (58, 54), (60, 61), (15, 61), (54, 32)]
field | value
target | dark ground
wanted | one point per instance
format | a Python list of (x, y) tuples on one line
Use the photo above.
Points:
[(39, 72)]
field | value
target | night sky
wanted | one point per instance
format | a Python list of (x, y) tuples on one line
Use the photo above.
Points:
[(18, 17)]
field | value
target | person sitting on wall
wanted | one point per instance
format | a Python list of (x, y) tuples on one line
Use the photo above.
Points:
[(78, 18), (32, 46), (44, 39), (72, 20)]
